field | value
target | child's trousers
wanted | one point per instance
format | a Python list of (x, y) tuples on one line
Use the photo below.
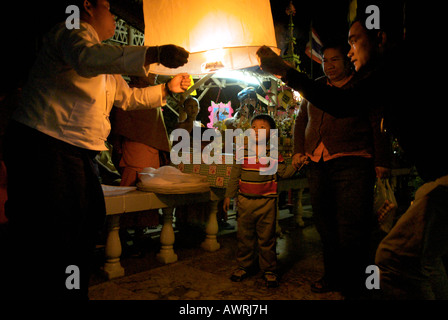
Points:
[(256, 230)]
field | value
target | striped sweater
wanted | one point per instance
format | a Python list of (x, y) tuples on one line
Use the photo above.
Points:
[(248, 178)]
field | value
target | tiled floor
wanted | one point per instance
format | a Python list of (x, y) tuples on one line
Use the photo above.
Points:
[(201, 275)]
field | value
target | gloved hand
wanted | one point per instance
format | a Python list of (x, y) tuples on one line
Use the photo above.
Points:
[(271, 62), (170, 55)]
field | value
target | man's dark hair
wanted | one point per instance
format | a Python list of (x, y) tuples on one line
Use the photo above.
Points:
[(62, 5), (339, 44), (57, 12), (266, 118), (391, 18), (80, 3)]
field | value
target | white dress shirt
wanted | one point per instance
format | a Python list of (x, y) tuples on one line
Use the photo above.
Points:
[(76, 81)]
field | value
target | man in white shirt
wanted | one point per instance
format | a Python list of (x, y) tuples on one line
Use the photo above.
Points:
[(55, 202)]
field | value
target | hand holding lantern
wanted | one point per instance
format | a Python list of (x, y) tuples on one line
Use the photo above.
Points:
[(170, 55), (271, 62)]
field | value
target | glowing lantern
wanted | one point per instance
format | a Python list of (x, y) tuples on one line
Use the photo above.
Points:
[(218, 34)]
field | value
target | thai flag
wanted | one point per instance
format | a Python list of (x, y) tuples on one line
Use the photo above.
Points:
[(316, 45)]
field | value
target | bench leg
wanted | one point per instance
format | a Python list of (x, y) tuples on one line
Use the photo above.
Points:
[(166, 254), (112, 267), (211, 243)]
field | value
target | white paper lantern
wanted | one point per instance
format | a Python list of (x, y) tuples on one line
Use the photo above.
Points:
[(219, 34)]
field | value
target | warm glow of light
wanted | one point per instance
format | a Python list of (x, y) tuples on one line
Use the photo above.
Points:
[(212, 34), (297, 96), (238, 75), (232, 30), (215, 55), (214, 60)]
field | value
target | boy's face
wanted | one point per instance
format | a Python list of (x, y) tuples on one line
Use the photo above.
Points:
[(191, 108), (259, 126)]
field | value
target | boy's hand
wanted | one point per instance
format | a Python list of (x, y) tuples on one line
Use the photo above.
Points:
[(226, 204), (299, 160)]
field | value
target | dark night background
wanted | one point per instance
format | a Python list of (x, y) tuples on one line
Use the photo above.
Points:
[(329, 19)]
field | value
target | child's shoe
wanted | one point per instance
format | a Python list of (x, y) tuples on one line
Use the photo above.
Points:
[(271, 279), (239, 274)]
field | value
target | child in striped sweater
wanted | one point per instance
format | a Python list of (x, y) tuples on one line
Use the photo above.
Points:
[(253, 181)]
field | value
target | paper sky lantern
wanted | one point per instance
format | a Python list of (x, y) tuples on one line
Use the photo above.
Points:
[(218, 34)]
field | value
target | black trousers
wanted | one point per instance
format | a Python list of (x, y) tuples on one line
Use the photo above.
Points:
[(341, 193), (55, 210)]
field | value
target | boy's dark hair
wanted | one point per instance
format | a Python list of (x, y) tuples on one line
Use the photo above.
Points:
[(266, 118)]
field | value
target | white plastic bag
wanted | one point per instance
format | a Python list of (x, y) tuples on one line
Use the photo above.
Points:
[(385, 204), (170, 180)]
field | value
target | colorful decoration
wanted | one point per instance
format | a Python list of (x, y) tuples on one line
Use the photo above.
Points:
[(218, 113), (285, 99)]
